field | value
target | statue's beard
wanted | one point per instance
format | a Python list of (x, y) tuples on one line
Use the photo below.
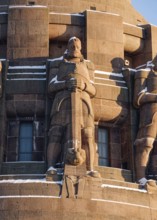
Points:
[(75, 54)]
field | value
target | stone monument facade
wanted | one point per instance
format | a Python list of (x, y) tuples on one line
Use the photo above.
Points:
[(77, 95), (28, 38)]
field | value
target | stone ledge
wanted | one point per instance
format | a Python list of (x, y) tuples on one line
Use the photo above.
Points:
[(65, 18), (30, 188), (71, 209), (133, 30), (23, 168), (114, 173), (35, 86), (22, 176)]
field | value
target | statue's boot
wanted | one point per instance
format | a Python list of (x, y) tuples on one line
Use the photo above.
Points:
[(91, 172)]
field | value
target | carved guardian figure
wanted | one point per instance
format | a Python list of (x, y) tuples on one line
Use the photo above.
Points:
[(71, 133), (145, 98)]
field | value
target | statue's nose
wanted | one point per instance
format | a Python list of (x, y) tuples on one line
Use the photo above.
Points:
[(74, 47)]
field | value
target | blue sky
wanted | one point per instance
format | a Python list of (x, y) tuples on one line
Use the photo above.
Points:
[(148, 8)]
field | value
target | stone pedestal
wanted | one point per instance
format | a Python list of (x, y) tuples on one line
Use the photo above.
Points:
[(74, 181)]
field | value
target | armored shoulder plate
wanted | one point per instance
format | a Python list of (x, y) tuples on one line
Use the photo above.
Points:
[(54, 63), (90, 65)]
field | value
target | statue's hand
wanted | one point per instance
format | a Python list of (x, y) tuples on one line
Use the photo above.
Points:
[(71, 84)]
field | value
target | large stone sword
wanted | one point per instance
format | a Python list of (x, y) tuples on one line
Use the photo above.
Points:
[(76, 119), (75, 154)]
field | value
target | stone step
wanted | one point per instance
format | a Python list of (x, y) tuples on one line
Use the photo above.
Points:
[(115, 192), (120, 184), (129, 193), (16, 168), (28, 69), (31, 76), (27, 62), (89, 188), (42, 177), (115, 186), (33, 187), (22, 176), (93, 189), (46, 208), (22, 184), (19, 70), (114, 173)]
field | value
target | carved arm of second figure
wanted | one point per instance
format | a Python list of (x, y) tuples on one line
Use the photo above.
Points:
[(145, 98)]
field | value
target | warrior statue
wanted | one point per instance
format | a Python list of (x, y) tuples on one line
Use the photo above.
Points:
[(145, 98), (71, 133)]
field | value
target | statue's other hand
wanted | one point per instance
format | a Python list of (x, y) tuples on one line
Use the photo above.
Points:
[(80, 84)]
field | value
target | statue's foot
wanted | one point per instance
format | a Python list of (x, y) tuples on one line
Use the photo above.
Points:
[(51, 170), (142, 182), (94, 174), (54, 174)]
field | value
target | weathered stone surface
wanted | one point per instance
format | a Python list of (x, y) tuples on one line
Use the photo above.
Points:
[(21, 168), (74, 208), (98, 51), (27, 32), (112, 40)]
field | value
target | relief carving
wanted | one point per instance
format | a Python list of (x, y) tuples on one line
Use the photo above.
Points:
[(145, 98), (71, 133)]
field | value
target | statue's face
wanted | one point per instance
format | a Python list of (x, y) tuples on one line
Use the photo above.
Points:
[(74, 48)]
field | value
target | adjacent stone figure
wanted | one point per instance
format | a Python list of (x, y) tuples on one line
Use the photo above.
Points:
[(71, 133), (145, 98)]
